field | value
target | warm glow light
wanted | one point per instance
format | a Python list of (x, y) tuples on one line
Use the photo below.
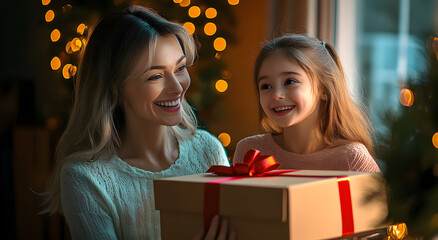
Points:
[(190, 27), (210, 13), (76, 44), (117, 2), (221, 85), (55, 35), (435, 140), (81, 28), (50, 15), (194, 11), (225, 139), (210, 28), (69, 71), (184, 3), (68, 48), (217, 55), (177, 1), (220, 44), (397, 231), (45, 2), (55, 64), (406, 97), (233, 2)]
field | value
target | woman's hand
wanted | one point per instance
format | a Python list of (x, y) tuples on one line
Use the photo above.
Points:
[(216, 233)]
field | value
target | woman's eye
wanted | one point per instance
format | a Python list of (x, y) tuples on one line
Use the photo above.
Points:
[(289, 81), (155, 77), (264, 86), (180, 69)]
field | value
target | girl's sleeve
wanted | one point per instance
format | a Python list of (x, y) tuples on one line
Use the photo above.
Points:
[(241, 148), (362, 161), (84, 207)]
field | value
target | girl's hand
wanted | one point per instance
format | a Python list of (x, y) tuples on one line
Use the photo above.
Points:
[(214, 233)]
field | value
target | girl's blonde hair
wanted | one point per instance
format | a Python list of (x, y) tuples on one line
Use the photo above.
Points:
[(114, 46), (341, 120)]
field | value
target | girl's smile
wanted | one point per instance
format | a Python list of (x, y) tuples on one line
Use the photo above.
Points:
[(283, 110)]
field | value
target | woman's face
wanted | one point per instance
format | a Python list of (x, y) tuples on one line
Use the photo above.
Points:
[(154, 96), (286, 94)]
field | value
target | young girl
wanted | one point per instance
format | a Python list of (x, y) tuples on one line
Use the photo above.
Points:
[(304, 105), (130, 124)]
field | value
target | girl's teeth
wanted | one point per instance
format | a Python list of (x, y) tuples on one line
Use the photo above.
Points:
[(279, 109)]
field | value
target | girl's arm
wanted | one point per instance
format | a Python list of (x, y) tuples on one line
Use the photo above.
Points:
[(84, 207)]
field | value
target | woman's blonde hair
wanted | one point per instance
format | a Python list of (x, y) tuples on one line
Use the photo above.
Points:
[(341, 120), (114, 46)]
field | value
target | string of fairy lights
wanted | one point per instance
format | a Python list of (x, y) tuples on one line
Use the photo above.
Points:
[(74, 45)]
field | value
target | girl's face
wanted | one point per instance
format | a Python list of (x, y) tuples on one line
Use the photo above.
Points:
[(286, 94), (155, 96)]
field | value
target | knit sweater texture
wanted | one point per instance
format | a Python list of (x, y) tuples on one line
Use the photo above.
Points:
[(349, 157), (110, 199)]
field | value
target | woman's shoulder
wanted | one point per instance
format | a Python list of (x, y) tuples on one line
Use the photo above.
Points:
[(82, 166), (358, 157)]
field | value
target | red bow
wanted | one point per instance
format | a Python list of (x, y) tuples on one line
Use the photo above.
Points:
[(253, 164)]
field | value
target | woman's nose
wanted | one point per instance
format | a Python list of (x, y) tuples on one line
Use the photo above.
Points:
[(173, 85)]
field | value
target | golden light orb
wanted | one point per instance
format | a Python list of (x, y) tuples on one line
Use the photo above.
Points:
[(55, 63), (50, 15), (76, 44), (81, 28), (55, 35), (69, 71), (435, 140), (45, 2), (233, 2), (190, 27), (194, 11), (210, 13), (210, 29), (406, 97), (177, 1), (225, 139), (219, 44), (184, 3), (221, 85), (68, 48)]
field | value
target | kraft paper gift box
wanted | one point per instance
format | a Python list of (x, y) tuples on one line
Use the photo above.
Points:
[(304, 204)]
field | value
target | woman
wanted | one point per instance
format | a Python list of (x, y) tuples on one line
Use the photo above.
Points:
[(130, 124)]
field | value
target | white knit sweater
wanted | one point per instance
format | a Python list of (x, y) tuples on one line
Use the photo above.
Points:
[(110, 199)]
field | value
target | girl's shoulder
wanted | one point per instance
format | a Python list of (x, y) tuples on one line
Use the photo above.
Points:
[(255, 139), (358, 157)]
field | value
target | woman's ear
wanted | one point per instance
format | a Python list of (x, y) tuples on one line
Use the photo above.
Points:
[(324, 97)]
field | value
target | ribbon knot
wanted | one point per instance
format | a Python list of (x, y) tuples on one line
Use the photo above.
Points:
[(254, 164)]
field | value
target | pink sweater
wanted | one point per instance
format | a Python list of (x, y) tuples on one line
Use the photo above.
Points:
[(349, 157)]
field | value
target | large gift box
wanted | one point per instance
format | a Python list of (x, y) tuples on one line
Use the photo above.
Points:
[(283, 204)]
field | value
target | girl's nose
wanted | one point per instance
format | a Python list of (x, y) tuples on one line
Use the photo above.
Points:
[(278, 94)]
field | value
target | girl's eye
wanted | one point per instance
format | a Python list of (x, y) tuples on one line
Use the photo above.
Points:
[(154, 77), (289, 81), (264, 86), (181, 68)]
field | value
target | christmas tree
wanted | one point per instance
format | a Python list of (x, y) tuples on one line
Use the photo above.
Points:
[(410, 153)]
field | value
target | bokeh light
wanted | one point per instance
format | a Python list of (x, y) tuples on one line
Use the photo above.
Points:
[(210, 13), (221, 85), (50, 15), (210, 28), (233, 2), (184, 3), (55, 63), (220, 44), (45, 2), (435, 140), (81, 28), (397, 231), (55, 35), (225, 139), (406, 97), (190, 27), (76, 44), (69, 71), (177, 1), (194, 11), (68, 48)]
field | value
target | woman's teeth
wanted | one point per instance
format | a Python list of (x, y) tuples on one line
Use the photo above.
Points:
[(168, 104), (284, 108)]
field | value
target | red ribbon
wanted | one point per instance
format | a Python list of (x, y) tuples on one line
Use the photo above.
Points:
[(256, 165)]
